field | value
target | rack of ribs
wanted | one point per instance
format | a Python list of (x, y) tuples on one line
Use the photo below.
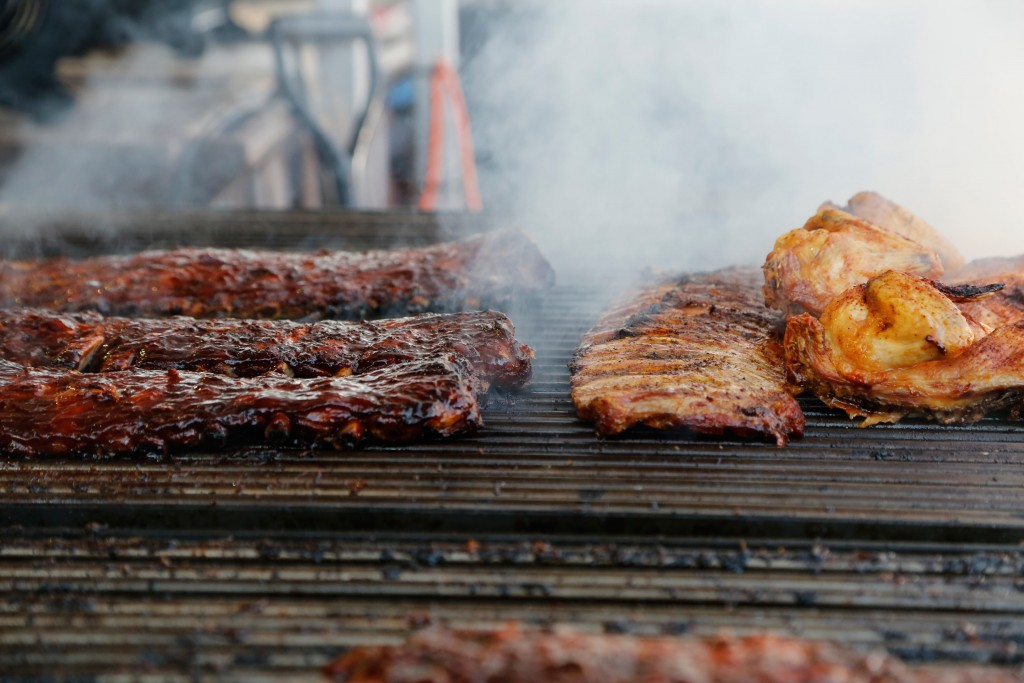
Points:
[(90, 342), (46, 411), (486, 270), (696, 352)]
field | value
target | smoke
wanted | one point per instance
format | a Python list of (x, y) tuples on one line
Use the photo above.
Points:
[(120, 146), (689, 134)]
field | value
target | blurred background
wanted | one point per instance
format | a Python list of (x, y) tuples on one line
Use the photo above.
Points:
[(667, 133)]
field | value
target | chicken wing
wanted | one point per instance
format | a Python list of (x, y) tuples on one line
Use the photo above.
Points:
[(898, 346)]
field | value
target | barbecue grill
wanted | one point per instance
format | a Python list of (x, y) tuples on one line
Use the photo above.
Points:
[(265, 563)]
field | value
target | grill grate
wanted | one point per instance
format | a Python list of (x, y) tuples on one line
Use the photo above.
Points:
[(266, 563)]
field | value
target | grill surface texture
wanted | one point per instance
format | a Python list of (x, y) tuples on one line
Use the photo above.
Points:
[(265, 564)]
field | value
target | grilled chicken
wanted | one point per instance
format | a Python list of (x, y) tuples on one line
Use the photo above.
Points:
[(481, 271), (836, 250), (1002, 308), (696, 352), (887, 214), (514, 656), (46, 411), (89, 342), (899, 345)]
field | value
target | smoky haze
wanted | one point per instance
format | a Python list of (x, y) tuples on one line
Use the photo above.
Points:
[(689, 134)]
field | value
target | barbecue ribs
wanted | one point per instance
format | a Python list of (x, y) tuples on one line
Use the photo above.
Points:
[(89, 342), (899, 345), (46, 411), (697, 353), (513, 656), (836, 250), (485, 270)]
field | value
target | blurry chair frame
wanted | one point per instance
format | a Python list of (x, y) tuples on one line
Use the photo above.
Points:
[(344, 163)]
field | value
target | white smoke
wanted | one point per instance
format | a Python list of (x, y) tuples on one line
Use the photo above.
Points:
[(689, 134)]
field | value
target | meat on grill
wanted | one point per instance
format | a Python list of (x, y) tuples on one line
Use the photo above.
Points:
[(89, 342), (514, 656), (695, 353), (898, 345), (45, 411), (836, 250), (481, 271), (887, 214), (1004, 307)]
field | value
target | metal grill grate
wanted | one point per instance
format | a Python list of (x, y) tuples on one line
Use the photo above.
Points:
[(267, 562)]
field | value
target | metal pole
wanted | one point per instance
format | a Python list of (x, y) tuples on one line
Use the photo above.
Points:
[(436, 27)]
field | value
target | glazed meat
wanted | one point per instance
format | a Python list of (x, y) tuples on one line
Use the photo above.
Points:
[(899, 345), (89, 342), (45, 411), (836, 250), (513, 656), (1004, 307), (484, 270), (694, 353)]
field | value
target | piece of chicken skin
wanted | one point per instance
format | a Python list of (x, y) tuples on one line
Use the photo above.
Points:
[(899, 345), (1004, 307), (887, 214), (832, 252)]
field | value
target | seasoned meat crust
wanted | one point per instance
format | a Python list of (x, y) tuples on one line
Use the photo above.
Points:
[(988, 375), (511, 656), (697, 353), (45, 411), (1004, 307), (899, 345), (833, 251), (886, 213), (481, 271), (89, 342)]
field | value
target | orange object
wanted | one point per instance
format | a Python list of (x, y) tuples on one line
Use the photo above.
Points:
[(444, 81)]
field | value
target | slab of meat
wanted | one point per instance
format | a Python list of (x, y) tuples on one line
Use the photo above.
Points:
[(47, 411), (90, 342), (485, 270), (887, 214), (833, 251), (697, 352), (899, 345), (513, 656), (1004, 307)]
